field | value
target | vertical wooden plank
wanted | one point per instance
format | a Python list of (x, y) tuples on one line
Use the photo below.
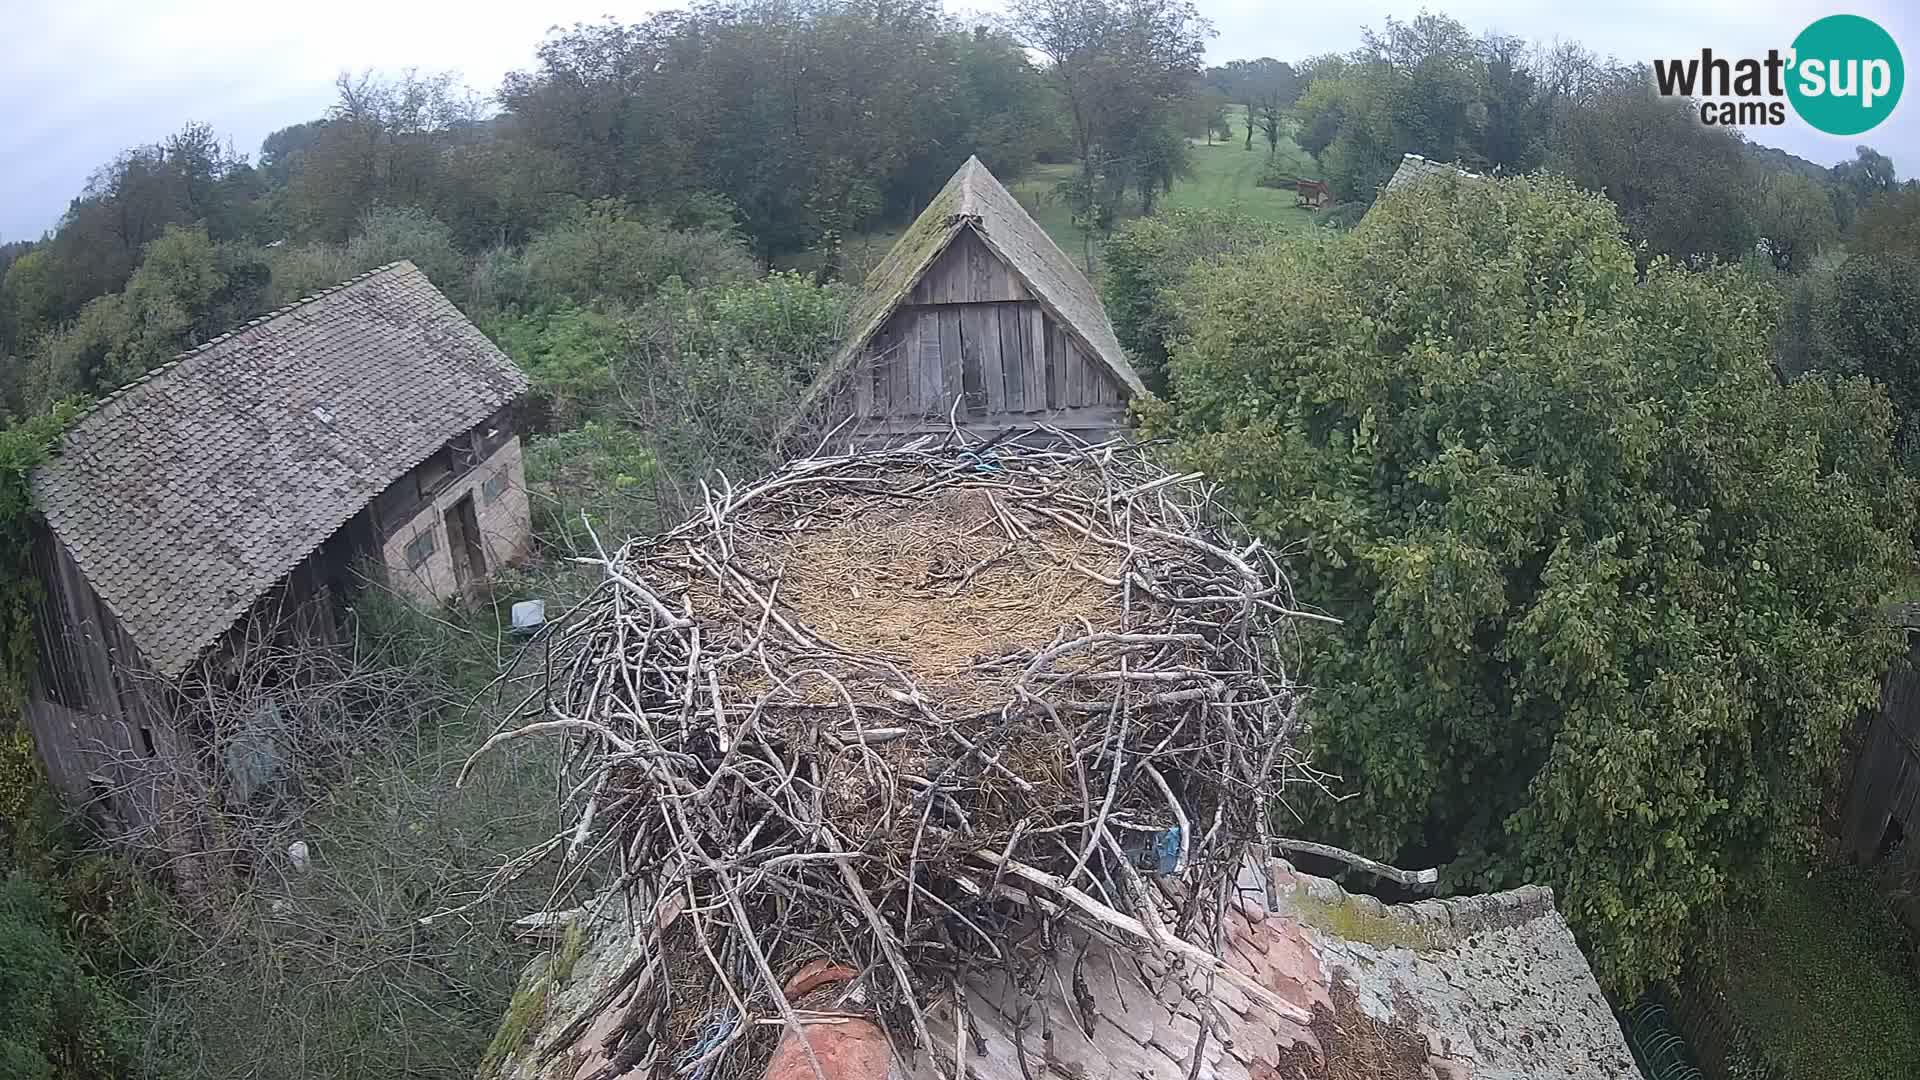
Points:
[(948, 365), (984, 327), (1034, 355), (932, 379), (956, 350), (1012, 352), (981, 262), (1056, 390), (899, 390), (863, 382)]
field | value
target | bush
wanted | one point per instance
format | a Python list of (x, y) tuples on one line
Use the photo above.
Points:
[(61, 1022), (1150, 256), (607, 255), (1863, 318), (569, 355), (1608, 588), (713, 374), (384, 235)]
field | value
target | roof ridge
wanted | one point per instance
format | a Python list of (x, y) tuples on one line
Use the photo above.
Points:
[(1443, 920), (185, 354)]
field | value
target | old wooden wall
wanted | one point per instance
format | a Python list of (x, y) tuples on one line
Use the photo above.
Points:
[(1883, 795), (89, 703), (971, 330)]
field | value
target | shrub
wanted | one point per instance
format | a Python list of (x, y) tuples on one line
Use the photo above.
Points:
[(1608, 588), (384, 235), (608, 255), (61, 1022), (1150, 256)]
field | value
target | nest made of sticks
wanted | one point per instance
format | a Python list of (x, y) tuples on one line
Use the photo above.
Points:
[(917, 710)]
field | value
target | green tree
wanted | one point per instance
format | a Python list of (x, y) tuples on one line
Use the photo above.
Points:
[(1608, 588), (1682, 187), (1794, 219), (1123, 70), (1864, 319), (1889, 223), (1149, 258), (61, 1021)]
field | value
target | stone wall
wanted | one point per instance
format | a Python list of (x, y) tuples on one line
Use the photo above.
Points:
[(498, 485)]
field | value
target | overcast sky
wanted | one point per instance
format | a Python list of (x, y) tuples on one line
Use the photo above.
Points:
[(80, 80)]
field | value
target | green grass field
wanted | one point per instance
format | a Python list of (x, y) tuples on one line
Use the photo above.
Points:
[(1222, 176)]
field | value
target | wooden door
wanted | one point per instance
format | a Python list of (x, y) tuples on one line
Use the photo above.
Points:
[(463, 542)]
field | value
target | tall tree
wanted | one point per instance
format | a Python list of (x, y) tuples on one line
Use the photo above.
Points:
[(1682, 187), (1122, 67), (1611, 640)]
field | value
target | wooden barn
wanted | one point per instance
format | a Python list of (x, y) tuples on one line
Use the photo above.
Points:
[(258, 481), (978, 318)]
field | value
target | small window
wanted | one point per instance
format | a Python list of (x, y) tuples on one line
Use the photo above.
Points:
[(146, 739), (460, 453), (419, 549), (434, 473), (495, 486)]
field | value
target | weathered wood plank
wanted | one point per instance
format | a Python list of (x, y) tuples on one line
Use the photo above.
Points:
[(1056, 384), (954, 356), (899, 389), (863, 383), (983, 325), (971, 383), (1012, 357), (949, 364), (1033, 354), (931, 387)]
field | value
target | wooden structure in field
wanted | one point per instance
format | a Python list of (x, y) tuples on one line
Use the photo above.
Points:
[(243, 493), (975, 318)]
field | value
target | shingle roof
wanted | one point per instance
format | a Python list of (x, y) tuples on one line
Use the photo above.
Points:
[(1486, 987), (188, 494), (1414, 168), (974, 199)]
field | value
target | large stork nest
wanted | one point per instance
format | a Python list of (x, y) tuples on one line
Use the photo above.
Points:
[(917, 711)]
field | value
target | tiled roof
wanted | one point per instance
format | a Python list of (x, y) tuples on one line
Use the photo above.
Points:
[(1414, 168), (1476, 988), (974, 199), (187, 495)]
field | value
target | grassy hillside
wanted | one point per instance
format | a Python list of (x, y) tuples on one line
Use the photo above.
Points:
[(1223, 176)]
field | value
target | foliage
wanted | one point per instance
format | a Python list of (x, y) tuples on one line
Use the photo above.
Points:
[(383, 235), (22, 446), (1794, 219), (599, 473), (608, 254), (1608, 587), (335, 958), (809, 120), (1415, 87), (1124, 71), (569, 356), (1820, 976), (1681, 186), (712, 374), (1889, 223), (1150, 257), (1864, 319), (62, 1022)]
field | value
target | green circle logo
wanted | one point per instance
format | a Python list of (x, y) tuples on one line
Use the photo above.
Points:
[(1846, 74)]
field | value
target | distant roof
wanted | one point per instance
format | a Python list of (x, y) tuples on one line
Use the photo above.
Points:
[(1414, 168), (1486, 987), (973, 199), (185, 496)]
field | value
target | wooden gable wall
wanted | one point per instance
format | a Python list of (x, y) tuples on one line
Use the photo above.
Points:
[(971, 329)]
